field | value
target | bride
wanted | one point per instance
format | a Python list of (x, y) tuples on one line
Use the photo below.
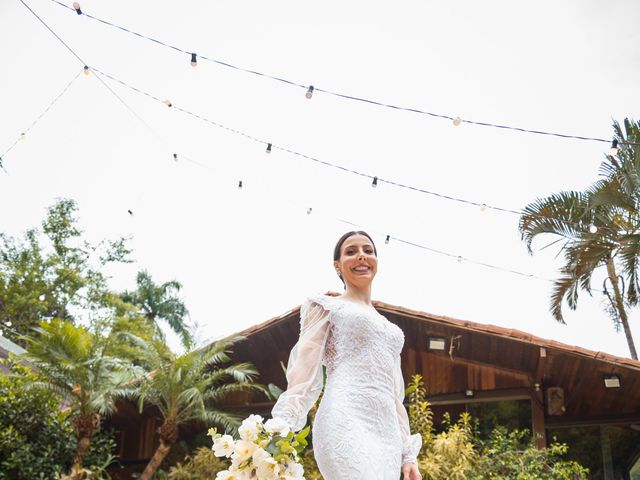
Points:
[(361, 429)]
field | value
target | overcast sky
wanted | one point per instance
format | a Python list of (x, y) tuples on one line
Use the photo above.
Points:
[(247, 255)]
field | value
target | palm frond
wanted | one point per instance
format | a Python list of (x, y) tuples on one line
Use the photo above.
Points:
[(566, 214)]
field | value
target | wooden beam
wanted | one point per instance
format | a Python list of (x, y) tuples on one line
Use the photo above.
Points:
[(524, 374), (567, 422), (537, 418), (480, 396)]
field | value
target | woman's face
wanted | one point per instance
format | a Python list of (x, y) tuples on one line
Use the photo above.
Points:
[(358, 263)]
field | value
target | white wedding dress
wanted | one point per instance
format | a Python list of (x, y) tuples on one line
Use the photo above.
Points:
[(361, 429)]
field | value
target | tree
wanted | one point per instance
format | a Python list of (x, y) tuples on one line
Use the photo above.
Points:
[(598, 228), (160, 302), (59, 279), (72, 363), (188, 389)]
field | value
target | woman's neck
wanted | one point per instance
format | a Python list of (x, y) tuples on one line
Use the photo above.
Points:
[(358, 295)]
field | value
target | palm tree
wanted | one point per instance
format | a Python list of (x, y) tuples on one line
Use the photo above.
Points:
[(72, 363), (187, 390), (160, 302), (598, 228)]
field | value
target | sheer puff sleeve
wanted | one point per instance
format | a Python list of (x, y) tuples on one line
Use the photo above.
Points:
[(411, 444), (304, 369)]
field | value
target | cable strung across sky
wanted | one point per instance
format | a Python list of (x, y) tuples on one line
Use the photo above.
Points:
[(98, 74), (310, 89)]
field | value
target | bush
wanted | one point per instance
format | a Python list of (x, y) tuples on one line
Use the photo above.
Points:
[(457, 453), (36, 437), (36, 434)]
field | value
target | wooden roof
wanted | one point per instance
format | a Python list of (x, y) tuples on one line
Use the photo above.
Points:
[(492, 361)]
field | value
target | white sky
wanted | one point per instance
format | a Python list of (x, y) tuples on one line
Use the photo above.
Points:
[(245, 256)]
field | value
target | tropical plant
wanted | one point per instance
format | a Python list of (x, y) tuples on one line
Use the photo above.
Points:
[(60, 278), (598, 228), (458, 453), (72, 363), (202, 465), (189, 388), (160, 302)]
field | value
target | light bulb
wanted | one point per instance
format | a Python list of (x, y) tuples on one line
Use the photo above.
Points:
[(309, 210), (459, 259), (175, 157), (386, 240), (240, 184), (269, 148), (374, 184), (86, 70), (194, 60), (168, 103), (483, 207), (76, 7), (593, 228), (23, 135), (457, 121), (130, 212), (8, 323), (309, 93), (613, 151), (42, 297)]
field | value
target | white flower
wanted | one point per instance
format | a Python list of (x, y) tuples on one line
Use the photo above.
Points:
[(231, 475), (259, 456), (294, 471), (223, 446), (268, 469), (249, 428), (242, 450), (277, 425)]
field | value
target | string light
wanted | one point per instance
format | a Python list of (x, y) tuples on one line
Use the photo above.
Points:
[(269, 148), (311, 89), (23, 135), (457, 121), (386, 240), (593, 229), (483, 207), (130, 212), (194, 60), (329, 164), (42, 297), (240, 184), (8, 323), (459, 259), (613, 151), (309, 93), (86, 70), (168, 103), (175, 157), (76, 7), (309, 210)]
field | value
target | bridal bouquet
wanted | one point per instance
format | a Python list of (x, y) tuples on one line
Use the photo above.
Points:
[(264, 451)]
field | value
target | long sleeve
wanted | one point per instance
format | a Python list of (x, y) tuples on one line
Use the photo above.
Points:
[(411, 444), (304, 369)]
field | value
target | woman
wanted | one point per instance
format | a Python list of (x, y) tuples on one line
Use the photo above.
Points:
[(361, 429)]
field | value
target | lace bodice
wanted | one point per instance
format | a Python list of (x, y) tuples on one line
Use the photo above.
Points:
[(365, 390)]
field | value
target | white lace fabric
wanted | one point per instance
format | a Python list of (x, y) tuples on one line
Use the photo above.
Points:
[(361, 429)]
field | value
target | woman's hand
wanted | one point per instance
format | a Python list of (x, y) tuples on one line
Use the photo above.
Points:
[(410, 472)]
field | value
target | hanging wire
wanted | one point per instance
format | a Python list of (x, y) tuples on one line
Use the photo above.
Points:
[(39, 117), (457, 120), (481, 205)]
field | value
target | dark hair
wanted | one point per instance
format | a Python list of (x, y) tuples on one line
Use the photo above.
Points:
[(336, 251)]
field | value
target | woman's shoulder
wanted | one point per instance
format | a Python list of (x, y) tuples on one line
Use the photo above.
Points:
[(328, 301)]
